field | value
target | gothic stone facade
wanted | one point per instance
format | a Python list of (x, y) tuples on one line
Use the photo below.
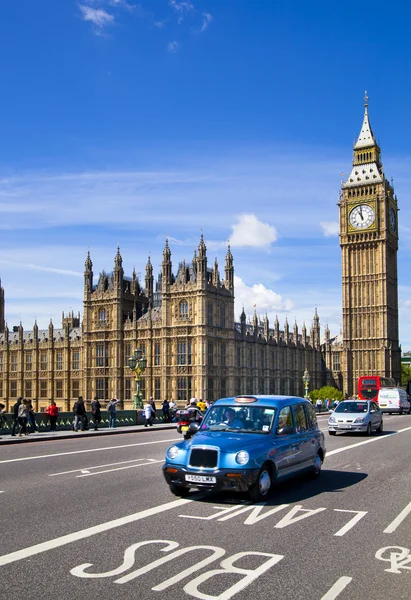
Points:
[(186, 329)]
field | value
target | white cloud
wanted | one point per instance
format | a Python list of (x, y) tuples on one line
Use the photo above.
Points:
[(98, 16), (249, 231), (173, 46), (330, 228), (264, 299), (181, 7), (207, 18)]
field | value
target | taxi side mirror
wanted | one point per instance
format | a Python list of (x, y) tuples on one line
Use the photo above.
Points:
[(286, 430), (192, 429)]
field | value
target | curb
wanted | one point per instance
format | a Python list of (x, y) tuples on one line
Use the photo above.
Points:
[(70, 435)]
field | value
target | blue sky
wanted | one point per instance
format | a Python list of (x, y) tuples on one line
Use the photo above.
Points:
[(126, 122)]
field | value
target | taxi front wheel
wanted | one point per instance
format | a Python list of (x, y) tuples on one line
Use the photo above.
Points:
[(260, 490)]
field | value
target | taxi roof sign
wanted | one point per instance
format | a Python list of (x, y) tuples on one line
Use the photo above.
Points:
[(245, 399)]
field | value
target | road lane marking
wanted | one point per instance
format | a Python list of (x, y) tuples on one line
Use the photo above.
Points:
[(369, 441), (6, 559), (152, 462), (359, 514), (84, 469), (12, 460), (398, 520), (337, 588)]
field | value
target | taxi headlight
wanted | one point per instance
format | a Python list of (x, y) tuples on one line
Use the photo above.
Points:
[(359, 420), (172, 452), (242, 457), (331, 420)]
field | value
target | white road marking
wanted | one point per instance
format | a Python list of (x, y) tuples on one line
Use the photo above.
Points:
[(398, 520), (152, 462), (337, 588), (359, 514), (368, 441), (86, 469), (90, 531), (12, 460)]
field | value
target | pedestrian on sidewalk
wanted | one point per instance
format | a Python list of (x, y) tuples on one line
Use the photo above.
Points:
[(319, 404), (31, 416), (166, 411), (22, 418), (112, 412), (79, 411), (148, 414), (96, 412), (3, 420), (52, 411), (16, 415)]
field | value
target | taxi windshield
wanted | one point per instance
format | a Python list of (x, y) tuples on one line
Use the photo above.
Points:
[(352, 407), (250, 419)]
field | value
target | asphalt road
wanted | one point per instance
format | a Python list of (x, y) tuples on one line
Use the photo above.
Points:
[(94, 518)]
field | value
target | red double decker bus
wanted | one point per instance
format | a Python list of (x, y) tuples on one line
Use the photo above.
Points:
[(369, 386)]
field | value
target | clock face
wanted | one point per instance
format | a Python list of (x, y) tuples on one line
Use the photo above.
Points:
[(393, 220), (362, 216)]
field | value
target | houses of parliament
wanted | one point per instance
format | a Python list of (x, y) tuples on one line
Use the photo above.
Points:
[(184, 322)]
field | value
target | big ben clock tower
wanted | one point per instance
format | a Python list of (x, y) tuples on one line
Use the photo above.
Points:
[(369, 246)]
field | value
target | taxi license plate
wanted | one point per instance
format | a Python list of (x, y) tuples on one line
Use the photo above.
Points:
[(185, 428), (200, 479)]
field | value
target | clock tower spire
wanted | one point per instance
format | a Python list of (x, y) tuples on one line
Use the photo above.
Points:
[(369, 246)]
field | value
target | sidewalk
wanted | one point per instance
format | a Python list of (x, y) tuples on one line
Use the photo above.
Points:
[(66, 434)]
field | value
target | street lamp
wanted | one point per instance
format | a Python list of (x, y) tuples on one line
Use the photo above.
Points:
[(306, 381), (137, 363)]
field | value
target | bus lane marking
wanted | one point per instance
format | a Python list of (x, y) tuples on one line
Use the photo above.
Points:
[(90, 531), (398, 520), (191, 588), (359, 514)]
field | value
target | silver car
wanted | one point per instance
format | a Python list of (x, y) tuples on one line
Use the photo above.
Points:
[(362, 416)]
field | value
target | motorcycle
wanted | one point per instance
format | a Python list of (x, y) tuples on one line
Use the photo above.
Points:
[(184, 420)]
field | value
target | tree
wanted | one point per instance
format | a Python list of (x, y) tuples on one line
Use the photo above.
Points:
[(326, 392), (405, 374)]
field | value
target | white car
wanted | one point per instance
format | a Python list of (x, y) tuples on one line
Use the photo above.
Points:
[(362, 416)]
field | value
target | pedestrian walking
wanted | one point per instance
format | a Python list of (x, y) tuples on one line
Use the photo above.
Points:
[(153, 406), (148, 414), (173, 410), (319, 404), (22, 418), (96, 412), (31, 415), (52, 411), (3, 420), (112, 412), (16, 415), (79, 411), (166, 411)]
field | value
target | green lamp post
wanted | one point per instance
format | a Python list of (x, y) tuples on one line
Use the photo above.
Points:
[(137, 363), (306, 381)]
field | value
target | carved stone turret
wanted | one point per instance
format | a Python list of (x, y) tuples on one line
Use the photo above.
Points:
[(88, 275), (149, 281), (229, 270)]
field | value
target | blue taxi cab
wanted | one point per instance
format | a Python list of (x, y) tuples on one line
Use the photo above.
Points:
[(246, 443)]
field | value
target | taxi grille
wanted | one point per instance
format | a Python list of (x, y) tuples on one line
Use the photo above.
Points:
[(201, 457)]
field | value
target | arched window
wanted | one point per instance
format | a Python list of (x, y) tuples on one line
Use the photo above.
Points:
[(183, 309), (102, 315)]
